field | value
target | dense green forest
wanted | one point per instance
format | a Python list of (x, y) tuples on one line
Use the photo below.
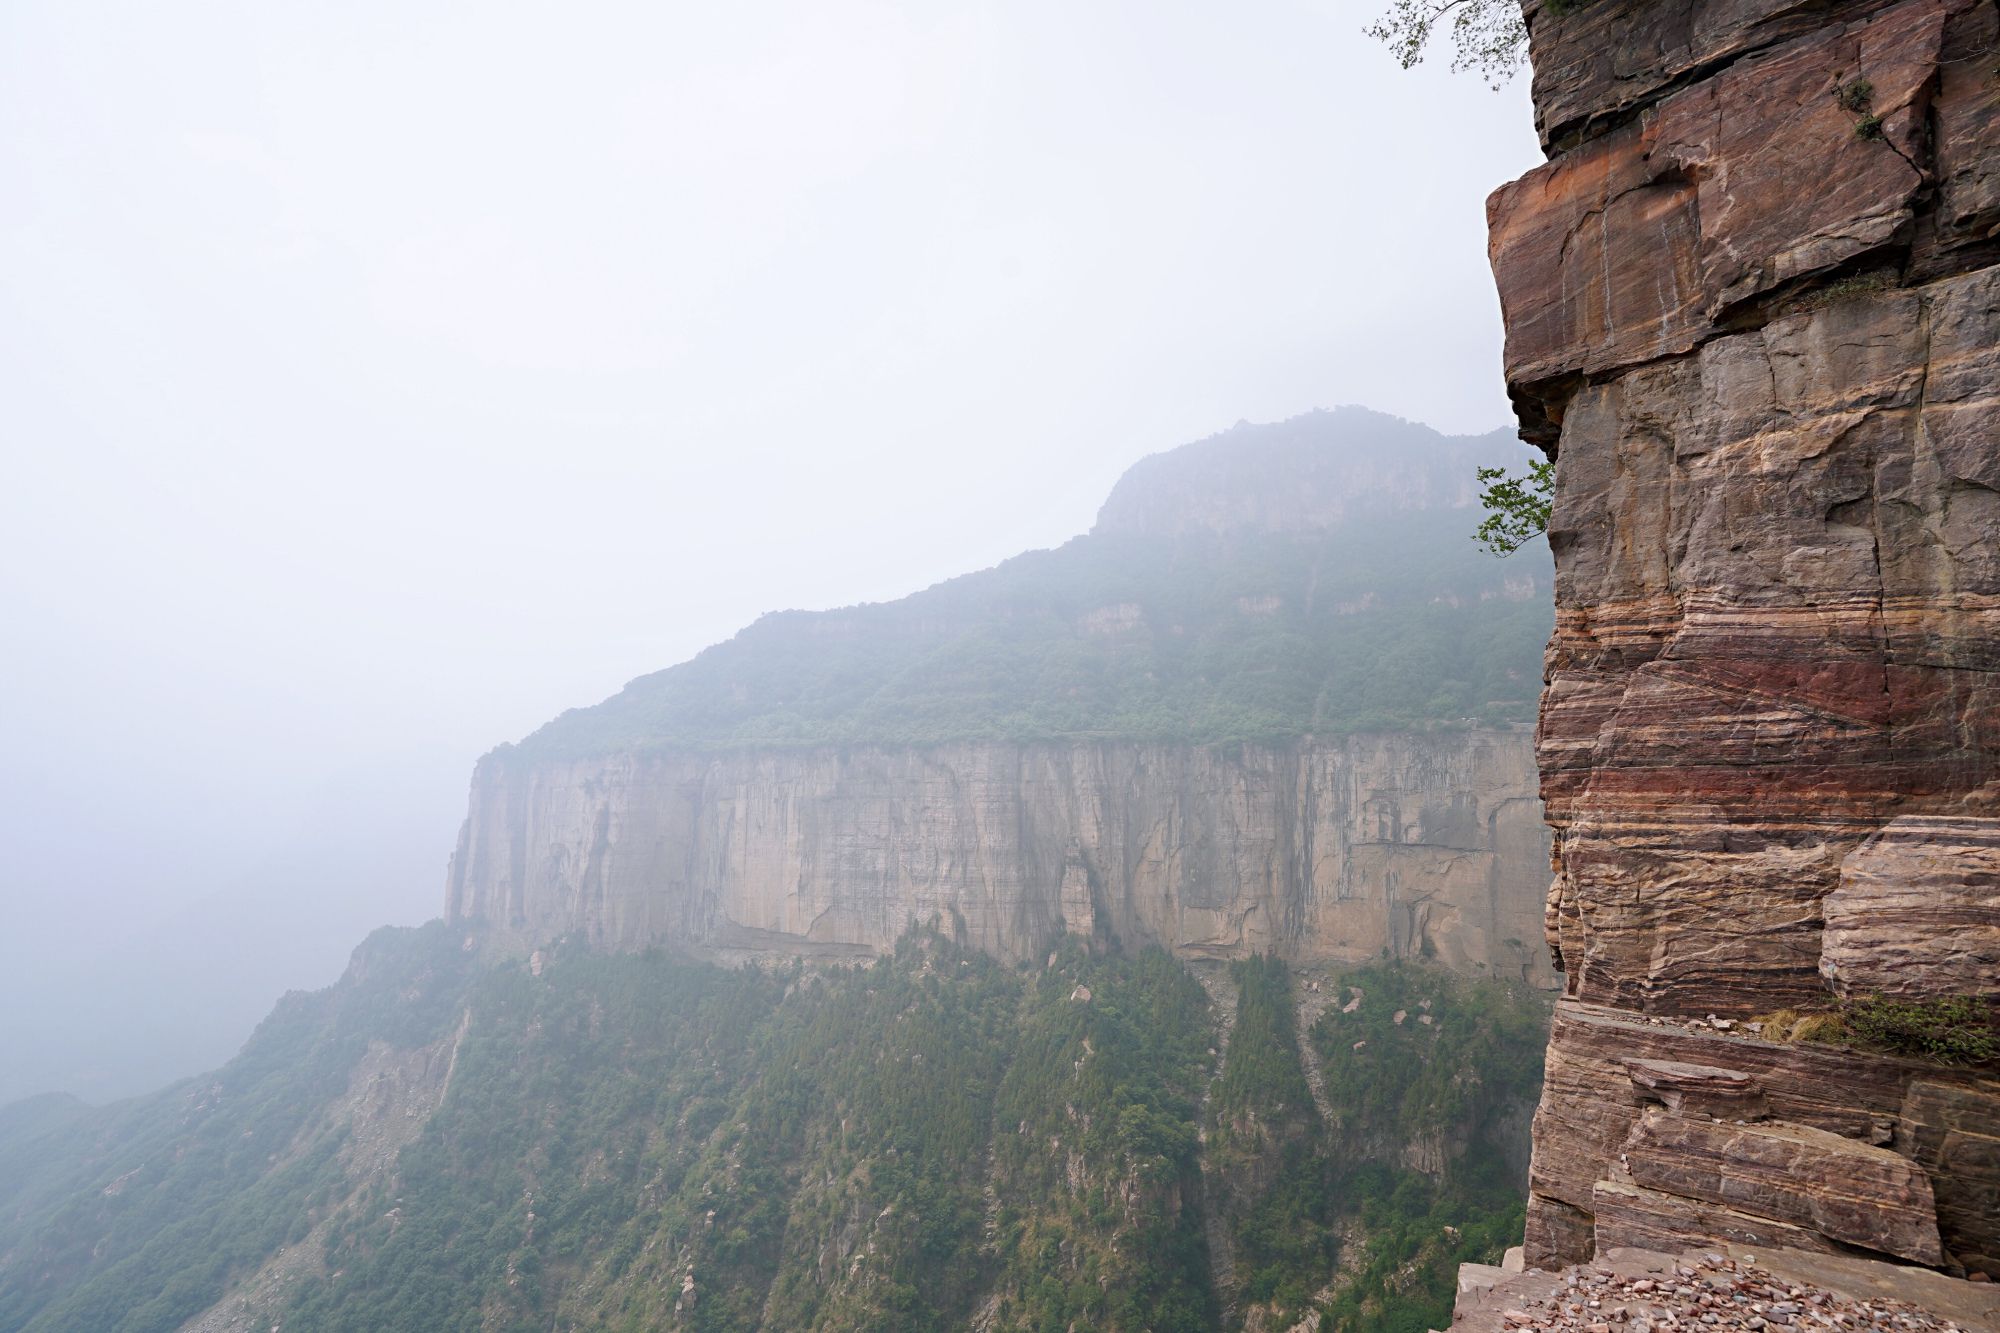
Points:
[(1435, 1118), (1382, 624), (933, 1141), (1388, 616), (1277, 1170)]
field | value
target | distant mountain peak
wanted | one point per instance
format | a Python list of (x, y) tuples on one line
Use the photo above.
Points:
[(1304, 474)]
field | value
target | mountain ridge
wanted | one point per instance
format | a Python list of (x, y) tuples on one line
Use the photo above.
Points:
[(1242, 595)]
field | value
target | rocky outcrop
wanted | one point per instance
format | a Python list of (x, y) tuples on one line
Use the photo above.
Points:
[(1753, 312), (1849, 1192), (1698, 1090), (1644, 241), (1652, 1130), (1347, 850)]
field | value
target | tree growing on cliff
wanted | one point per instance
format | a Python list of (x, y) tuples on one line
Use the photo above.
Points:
[(1517, 507), (1488, 36)]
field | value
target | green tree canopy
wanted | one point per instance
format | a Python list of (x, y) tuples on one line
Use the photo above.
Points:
[(1517, 507), (1486, 35)]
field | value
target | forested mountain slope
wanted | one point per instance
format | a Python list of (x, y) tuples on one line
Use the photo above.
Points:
[(930, 1141)]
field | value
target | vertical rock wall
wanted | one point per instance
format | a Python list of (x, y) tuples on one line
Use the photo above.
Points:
[(1349, 849), (1753, 311)]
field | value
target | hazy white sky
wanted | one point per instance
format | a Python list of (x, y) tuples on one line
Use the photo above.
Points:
[(377, 380)]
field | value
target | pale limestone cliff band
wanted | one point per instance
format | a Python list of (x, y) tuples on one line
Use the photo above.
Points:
[(1343, 849)]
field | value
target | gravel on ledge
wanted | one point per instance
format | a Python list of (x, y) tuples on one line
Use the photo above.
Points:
[(1726, 1290)]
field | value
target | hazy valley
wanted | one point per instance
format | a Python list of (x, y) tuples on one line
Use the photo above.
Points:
[(1200, 866)]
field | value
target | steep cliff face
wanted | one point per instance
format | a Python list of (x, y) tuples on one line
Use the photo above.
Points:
[(1753, 311), (1417, 845)]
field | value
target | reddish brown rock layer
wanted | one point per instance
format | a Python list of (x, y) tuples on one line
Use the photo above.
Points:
[(1637, 244), (1753, 310)]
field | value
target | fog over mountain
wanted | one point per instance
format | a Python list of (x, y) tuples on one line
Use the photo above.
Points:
[(375, 384)]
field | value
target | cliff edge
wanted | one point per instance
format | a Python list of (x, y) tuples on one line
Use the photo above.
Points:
[(1753, 312)]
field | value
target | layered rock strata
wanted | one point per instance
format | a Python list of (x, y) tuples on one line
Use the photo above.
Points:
[(1753, 312), (1396, 844)]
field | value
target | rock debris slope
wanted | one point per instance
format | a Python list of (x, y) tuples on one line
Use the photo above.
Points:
[(1753, 311)]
